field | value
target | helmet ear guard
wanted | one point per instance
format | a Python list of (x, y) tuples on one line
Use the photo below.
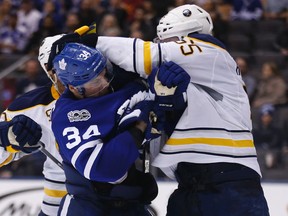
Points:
[(184, 20)]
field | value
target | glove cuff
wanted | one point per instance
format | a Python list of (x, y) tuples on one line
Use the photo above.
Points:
[(172, 102), (89, 40), (4, 140)]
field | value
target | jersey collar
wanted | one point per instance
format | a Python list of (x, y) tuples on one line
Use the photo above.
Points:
[(54, 92), (208, 38)]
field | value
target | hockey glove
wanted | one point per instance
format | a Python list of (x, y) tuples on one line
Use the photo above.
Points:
[(22, 134), (59, 45), (169, 84), (4, 128), (142, 111)]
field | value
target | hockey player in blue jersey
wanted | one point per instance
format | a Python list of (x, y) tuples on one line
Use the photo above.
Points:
[(27, 119), (19, 133), (99, 132)]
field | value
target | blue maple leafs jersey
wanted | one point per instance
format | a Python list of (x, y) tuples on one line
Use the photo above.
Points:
[(86, 132)]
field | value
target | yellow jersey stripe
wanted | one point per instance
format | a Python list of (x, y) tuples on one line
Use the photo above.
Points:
[(10, 149), (8, 160), (55, 193), (147, 57), (211, 141)]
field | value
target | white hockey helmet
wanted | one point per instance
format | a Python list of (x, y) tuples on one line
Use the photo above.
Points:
[(184, 20), (44, 52)]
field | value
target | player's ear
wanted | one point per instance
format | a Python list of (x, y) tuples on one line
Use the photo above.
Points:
[(73, 89)]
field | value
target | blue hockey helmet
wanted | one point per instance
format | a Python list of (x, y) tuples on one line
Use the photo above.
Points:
[(77, 64)]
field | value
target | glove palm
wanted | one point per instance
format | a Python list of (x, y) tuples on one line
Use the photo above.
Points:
[(169, 83)]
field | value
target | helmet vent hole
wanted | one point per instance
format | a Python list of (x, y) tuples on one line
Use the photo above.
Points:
[(208, 20), (200, 10), (77, 78), (86, 76)]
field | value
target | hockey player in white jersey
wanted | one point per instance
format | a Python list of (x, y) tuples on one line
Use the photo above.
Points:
[(37, 105), (211, 151)]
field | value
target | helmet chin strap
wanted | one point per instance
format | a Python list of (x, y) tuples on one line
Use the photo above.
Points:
[(111, 88), (54, 81)]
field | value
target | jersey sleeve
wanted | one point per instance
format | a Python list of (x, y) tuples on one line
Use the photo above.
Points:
[(131, 54)]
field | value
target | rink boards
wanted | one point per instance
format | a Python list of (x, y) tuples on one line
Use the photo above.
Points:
[(23, 197)]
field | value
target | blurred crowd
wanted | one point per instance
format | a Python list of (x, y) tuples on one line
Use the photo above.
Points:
[(254, 31)]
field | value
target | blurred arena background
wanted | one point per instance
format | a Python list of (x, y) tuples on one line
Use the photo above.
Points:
[(256, 34)]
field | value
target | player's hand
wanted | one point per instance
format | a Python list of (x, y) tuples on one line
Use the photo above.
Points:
[(139, 112), (172, 75), (4, 128), (85, 35), (90, 37), (22, 134), (143, 111), (59, 45), (169, 84)]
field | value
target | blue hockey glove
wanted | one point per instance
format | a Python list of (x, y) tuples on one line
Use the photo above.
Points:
[(171, 75), (143, 111), (22, 134), (169, 84), (139, 112)]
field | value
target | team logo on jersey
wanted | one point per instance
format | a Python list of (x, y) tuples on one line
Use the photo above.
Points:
[(79, 115), (62, 64)]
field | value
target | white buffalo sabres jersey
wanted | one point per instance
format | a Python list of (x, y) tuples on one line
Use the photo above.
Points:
[(37, 105), (216, 125)]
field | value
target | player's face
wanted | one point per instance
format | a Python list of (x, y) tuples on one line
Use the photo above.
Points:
[(58, 85), (98, 86)]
